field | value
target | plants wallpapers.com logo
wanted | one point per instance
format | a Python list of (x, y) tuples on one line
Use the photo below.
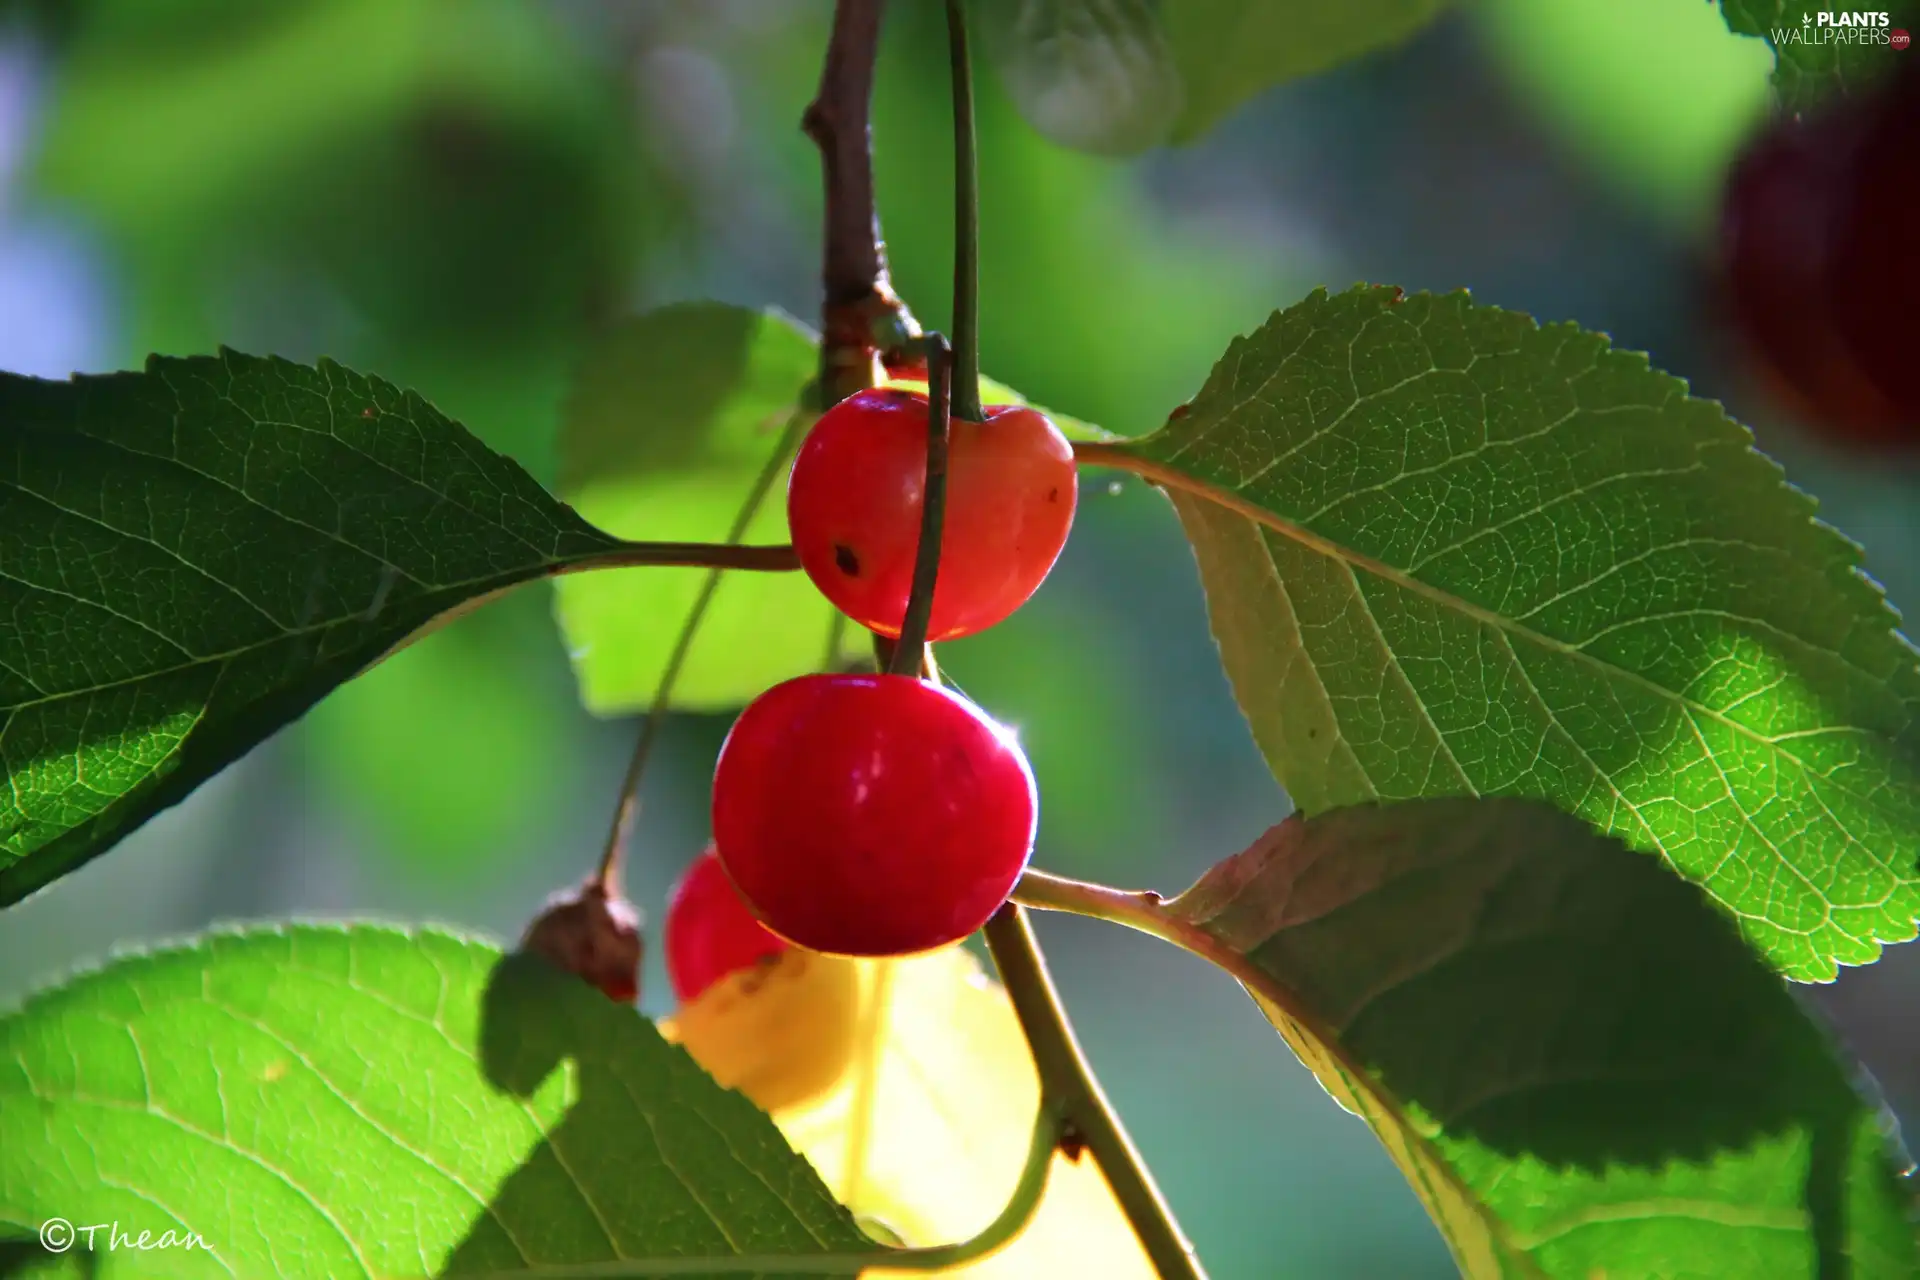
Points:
[(1848, 26)]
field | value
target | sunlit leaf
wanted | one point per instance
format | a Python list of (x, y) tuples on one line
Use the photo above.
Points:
[(926, 1128), (1576, 1062), (191, 556), (1450, 552), (673, 416), (354, 1101)]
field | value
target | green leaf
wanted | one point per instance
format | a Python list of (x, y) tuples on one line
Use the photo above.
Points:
[(1230, 50), (190, 557), (673, 416), (1575, 1061), (1808, 64), (367, 1101), (1450, 552)]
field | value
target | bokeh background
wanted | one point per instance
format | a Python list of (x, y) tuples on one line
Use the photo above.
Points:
[(451, 193)]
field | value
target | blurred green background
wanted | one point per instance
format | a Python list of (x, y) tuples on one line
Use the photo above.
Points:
[(452, 193)]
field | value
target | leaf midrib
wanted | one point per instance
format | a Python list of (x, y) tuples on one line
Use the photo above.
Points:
[(463, 589), (1160, 473)]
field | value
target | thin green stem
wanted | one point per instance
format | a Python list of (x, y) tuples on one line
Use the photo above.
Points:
[(627, 811), (1067, 1082), (1013, 1219), (909, 652), (1141, 909), (966, 227), (836, 642)]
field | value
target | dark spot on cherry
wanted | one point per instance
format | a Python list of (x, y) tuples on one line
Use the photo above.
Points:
[(1053, 495), (845, 561)]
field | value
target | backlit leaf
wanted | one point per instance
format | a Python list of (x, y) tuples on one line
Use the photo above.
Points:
[(1450, 552), (673, 416), (362, 1101), (927, 1124), (1577, 1064)]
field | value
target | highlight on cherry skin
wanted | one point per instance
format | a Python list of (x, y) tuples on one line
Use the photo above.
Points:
[(857, 490), (708, 932), (871, 815)]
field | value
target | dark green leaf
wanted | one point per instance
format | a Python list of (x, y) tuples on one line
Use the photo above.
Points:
[(1450, 552), (1810, 63), (673, 416), (366, 1101), (190, 557), (1575, 1061)]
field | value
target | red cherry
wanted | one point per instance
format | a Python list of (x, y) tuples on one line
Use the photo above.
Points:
[(871, 815), (855, 498), (709, 931), (1876, 269), (1815, 216)]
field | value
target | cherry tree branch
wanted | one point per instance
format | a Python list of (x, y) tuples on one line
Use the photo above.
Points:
[(862, 319)]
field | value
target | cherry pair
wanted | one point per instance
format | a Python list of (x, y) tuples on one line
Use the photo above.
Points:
[(877, 814)]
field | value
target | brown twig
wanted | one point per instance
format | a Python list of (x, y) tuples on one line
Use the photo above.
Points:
[(862, 319)]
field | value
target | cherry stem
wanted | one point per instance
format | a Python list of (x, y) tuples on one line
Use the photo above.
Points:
[(909, 651), (627, 811), (1067, 1082), (966, 226)]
